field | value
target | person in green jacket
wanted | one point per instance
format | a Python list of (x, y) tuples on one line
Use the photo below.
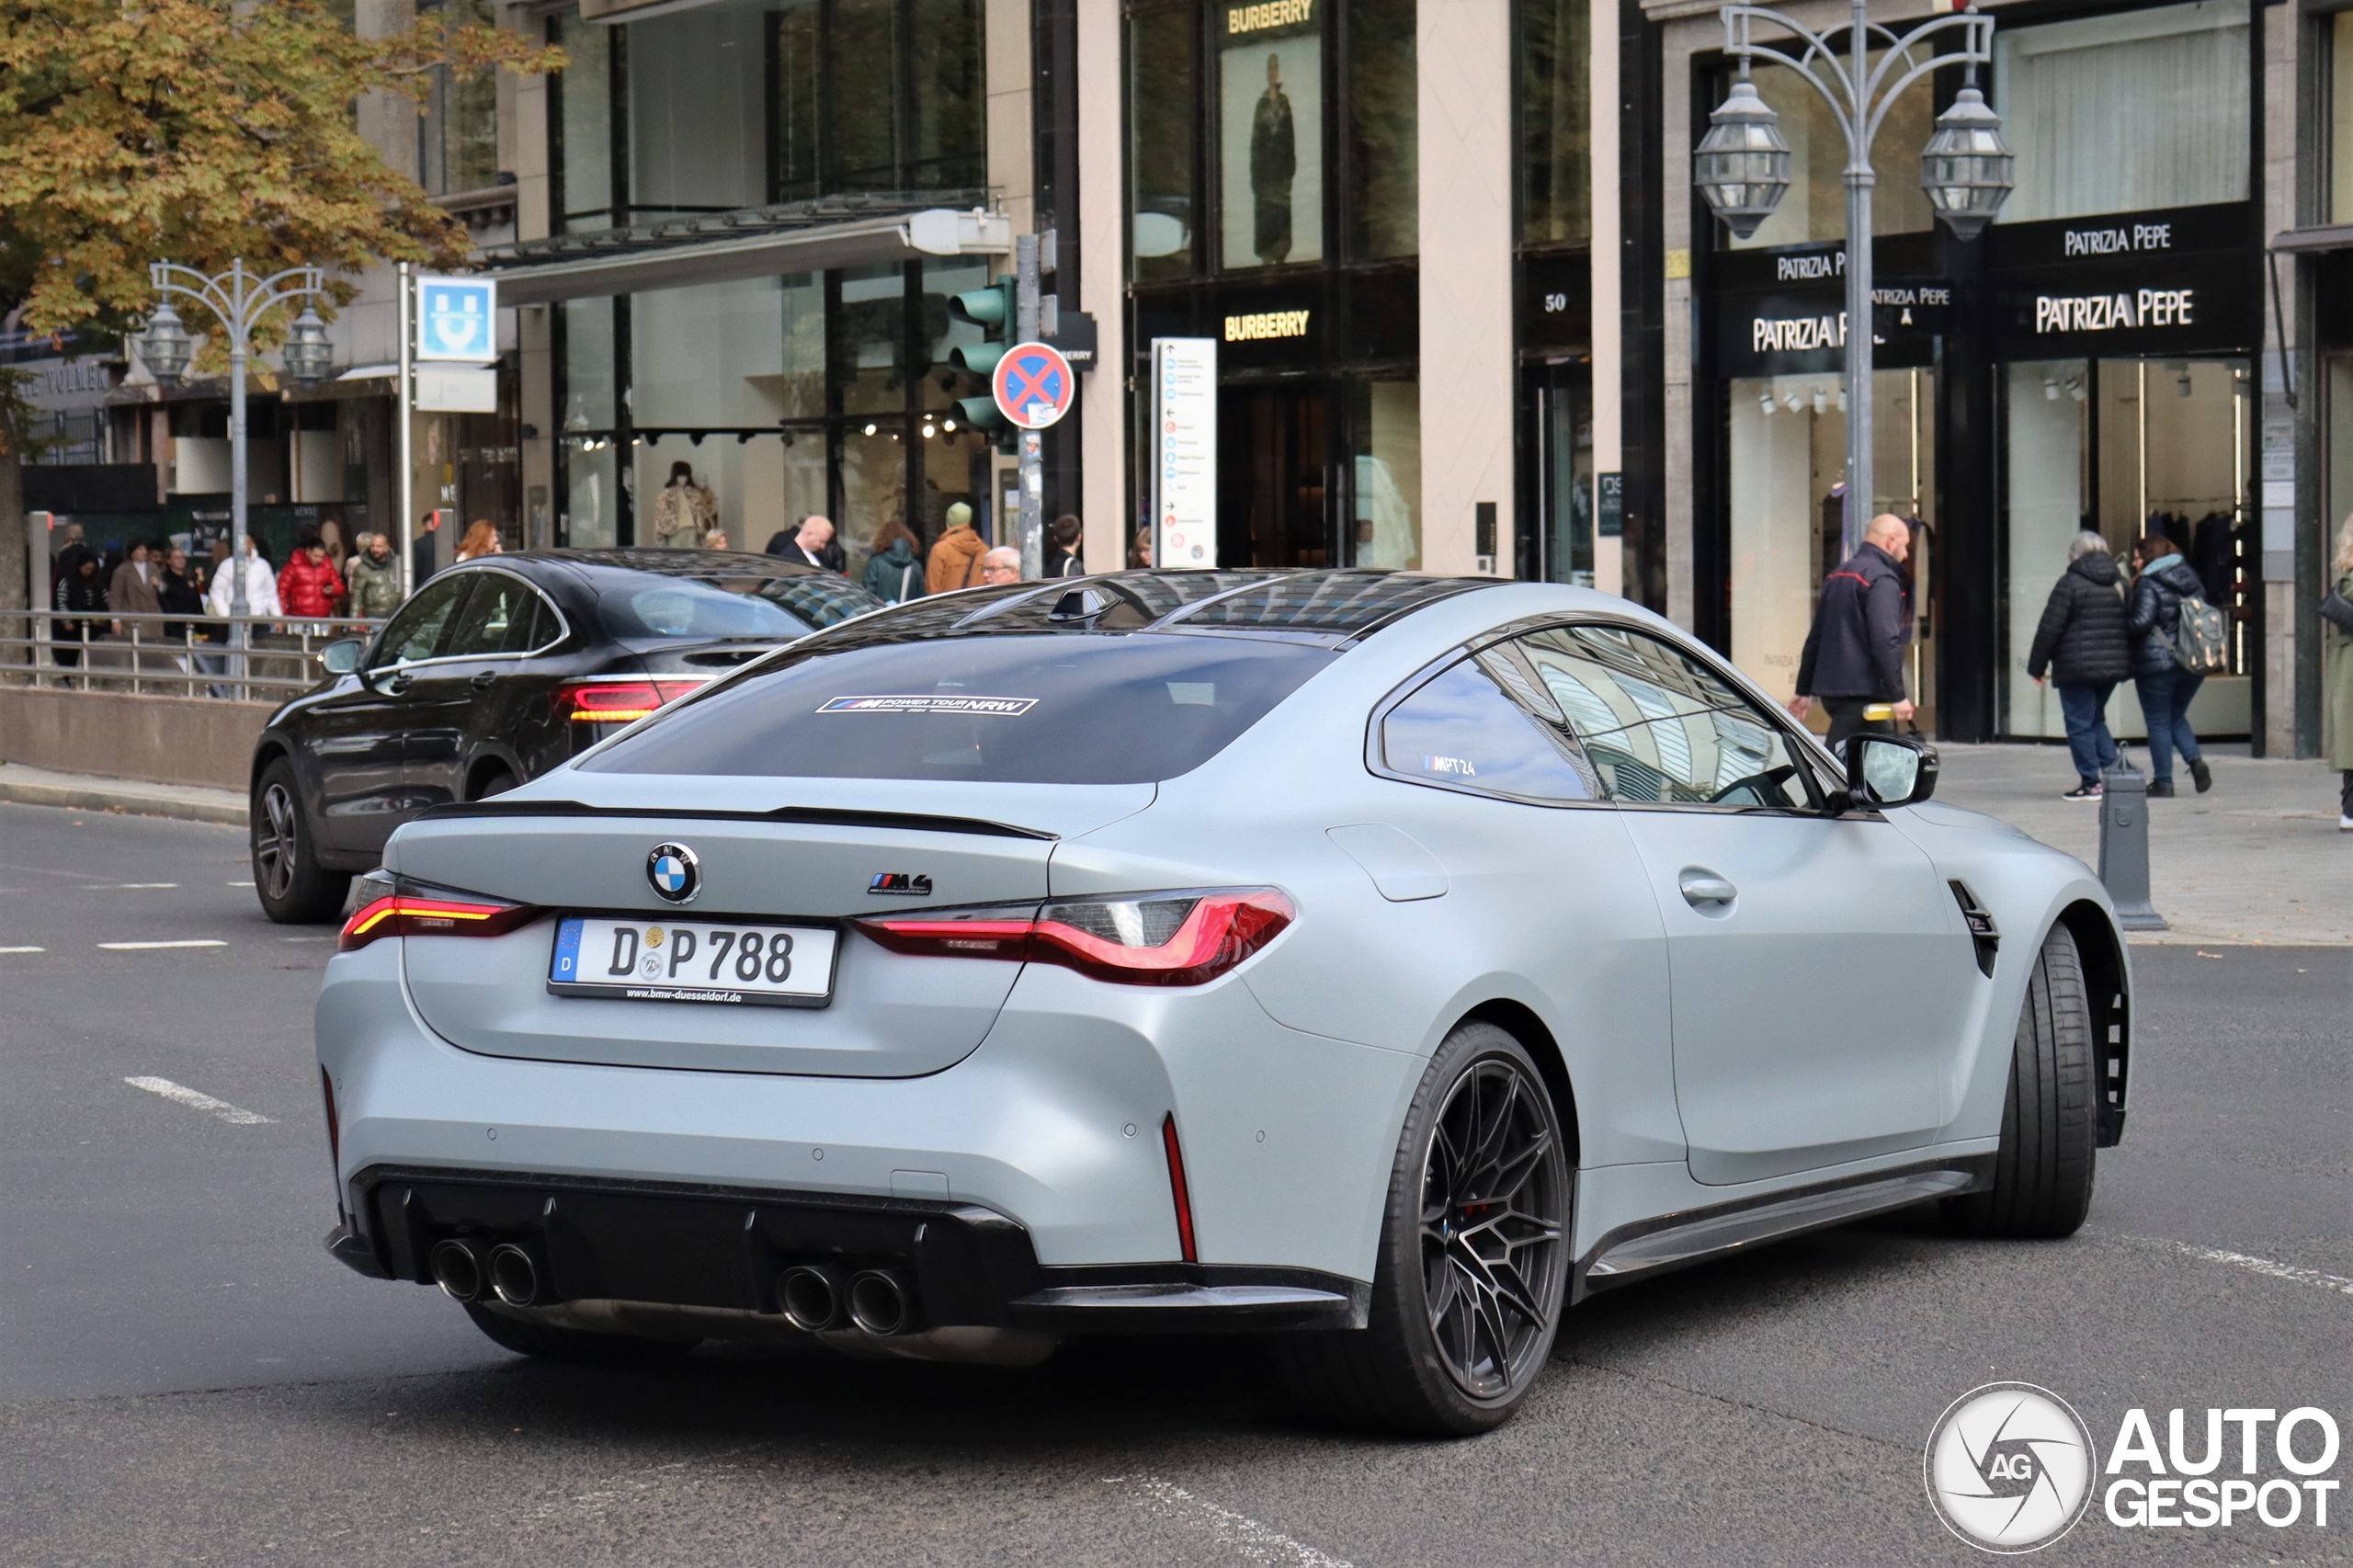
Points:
[(893, 574), (375, 581)]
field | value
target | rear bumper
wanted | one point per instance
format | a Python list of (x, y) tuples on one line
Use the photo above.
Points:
[(728, 1250)]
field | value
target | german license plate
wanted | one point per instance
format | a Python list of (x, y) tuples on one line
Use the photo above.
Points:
[(693, 960)]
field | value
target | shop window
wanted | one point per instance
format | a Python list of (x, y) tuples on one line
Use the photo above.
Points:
[(1385, 529), (1270, 134), (879, 95), (1564, 498), (697, 115), (2163, 95), (580, 106), (869, 340), (1555, 124), (457, 136), (709, 361), (1160, 168), (1384, 213), (1815, 209)]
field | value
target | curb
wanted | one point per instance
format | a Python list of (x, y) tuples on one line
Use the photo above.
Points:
[(108, 796)]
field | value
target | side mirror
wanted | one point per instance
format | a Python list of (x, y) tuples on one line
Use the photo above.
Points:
[(341, 657), (1890, 770)]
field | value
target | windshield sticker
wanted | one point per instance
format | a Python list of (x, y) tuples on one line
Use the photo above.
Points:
[(1455, 766), (1006, 707)]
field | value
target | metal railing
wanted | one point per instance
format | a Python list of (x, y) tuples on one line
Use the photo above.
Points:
[(169, 655)]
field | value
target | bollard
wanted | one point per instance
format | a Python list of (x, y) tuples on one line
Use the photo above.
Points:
[(2124, 849)]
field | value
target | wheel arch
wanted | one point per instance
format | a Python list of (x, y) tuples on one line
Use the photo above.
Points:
[(2108, 981), (1521, 1022), (492, 759), (269, 749)]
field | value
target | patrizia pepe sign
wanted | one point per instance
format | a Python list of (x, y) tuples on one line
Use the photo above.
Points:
[(2178, 281)]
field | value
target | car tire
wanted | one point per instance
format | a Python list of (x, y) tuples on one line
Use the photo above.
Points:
[(496, 782), (2042, 1175), (580, 1347), (295, 888), (1465, 1368)]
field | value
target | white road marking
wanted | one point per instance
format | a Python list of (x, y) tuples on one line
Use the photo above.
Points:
[(23, 949), (197, 1101), (1246, 1536), (149, 947), (119, 887), (241, 884), (2342, 1286)]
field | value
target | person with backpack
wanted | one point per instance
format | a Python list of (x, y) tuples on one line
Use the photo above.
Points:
[(892, 573), (2178, 641), (2082, 646)]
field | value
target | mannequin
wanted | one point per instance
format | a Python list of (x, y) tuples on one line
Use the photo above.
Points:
[(683, 511)]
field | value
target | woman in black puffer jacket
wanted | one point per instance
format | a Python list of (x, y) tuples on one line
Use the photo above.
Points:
[(2166, 688), (2083, 644)]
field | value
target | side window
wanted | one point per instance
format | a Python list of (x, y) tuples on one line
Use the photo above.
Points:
[(1460, 729), (503, 616), (416, 632), (1659, 727)]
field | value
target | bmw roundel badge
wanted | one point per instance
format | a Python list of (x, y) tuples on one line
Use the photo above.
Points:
[(674, 872)]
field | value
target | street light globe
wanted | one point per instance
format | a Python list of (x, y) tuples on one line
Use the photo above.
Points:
[(1966, 167), (1742, 165), (165, 345), (308, 355)]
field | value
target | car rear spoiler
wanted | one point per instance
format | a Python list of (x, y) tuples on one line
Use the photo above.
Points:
[(816, 816)]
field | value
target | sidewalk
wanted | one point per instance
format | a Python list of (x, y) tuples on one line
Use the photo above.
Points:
[(2258, 858), (136, 797)]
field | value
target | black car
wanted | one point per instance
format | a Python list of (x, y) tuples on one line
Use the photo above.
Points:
[(495, 672)]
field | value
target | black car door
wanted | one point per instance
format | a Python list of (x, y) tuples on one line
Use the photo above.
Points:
[(356, 735), (462, 700)]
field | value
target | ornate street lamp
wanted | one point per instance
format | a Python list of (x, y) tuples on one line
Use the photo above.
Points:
[(308, 354), (1742, 166), (164, 346)]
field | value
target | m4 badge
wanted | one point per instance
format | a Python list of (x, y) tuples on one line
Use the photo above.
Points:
[(906, 884)]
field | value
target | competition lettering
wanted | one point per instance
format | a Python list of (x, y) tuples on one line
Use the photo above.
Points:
[(1004, 706), (1265, 324), (1269, 14), (2118, 241), (2110, 312), (1796, 335)]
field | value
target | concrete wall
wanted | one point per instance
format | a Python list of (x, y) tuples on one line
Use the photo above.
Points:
[(169, 740)]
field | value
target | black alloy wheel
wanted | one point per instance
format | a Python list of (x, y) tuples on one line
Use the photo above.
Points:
[(295, 888), (1471, 1277)]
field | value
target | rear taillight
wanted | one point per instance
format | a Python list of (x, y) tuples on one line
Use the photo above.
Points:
[(618, 701), (412, 909), (1158, 938), (1177, 1190)]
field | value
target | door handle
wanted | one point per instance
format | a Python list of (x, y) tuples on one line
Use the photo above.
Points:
[(398, 684), (481, 682), (1703, 887)]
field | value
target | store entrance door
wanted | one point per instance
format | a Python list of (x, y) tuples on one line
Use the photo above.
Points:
[(1274, 503)]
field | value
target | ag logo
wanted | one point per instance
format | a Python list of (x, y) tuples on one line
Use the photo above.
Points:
[(2010, 1468), (674, 871)]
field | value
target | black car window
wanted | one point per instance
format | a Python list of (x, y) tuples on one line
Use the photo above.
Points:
[(503, 615), (416, 631), (693, 611), (1460, 730), (1661, 727), (1088, 708)]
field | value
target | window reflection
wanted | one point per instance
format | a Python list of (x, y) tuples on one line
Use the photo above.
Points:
[(1462, 730), (1556, 187), (1161, 160), (1384, 129)]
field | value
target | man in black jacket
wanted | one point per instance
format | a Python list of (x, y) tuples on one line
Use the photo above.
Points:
[(2081, 642), (1854, 656)]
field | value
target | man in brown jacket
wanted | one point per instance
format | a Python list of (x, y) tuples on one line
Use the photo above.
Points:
[(955, 560)]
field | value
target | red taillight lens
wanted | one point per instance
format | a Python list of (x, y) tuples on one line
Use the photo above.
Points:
[(1161, 938), (1177, 1190), (422, 912), (618, 701)]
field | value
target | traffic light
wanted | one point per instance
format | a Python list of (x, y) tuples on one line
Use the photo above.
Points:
[(991, 310)]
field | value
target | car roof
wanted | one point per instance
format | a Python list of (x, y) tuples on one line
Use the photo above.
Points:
[(697, 563)]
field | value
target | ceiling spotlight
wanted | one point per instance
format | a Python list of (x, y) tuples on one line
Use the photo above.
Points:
[(929, 430), (1821, 400), (1842, 400), (1765, 401), (948, 426), (1791, 401), (2075, 388), (2050, 389), (869, 429), (2182, 387)]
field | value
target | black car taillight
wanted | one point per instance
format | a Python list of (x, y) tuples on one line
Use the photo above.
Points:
[(618, 701), (1156, 939), (413, 909)]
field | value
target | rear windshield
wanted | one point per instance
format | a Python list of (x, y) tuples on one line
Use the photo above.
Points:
[(692, 609), (1047, 709)]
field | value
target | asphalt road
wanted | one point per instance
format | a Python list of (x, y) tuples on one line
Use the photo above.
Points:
[(188, 1378)]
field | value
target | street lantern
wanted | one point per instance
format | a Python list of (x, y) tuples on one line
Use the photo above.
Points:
[(308, 354), (165, 346), (1742, 166), (1966, 167)]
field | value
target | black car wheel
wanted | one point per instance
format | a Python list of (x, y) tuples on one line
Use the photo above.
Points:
[(1473, 1270), (295, 889), (2042, 1174), (496, 782)]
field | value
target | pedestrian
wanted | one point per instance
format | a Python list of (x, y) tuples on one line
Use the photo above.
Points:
[(2081, 642), (420, 550), (1062, 557), (892, 573), (1140, 552), (813, 543), (1001, 565), (375, 581), (78, 595), (2162, 581), (261, 584), (956, 555), (310, 585), (481, 539), (716, 540), (1854, 656), (2337, 674), (682, 511), (181, 592), (133, 588)]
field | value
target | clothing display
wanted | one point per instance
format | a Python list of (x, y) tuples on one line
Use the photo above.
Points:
[(682, 511)]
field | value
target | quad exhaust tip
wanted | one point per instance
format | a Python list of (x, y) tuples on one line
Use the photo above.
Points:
[(458, 1270), (514, 1278), (811, 1300), (878, 1303)]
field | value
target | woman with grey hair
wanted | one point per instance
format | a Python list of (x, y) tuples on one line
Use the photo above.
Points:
[(2083, 644)]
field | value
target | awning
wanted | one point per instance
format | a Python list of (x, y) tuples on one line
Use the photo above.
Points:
[(2333, 236), (853, 241)]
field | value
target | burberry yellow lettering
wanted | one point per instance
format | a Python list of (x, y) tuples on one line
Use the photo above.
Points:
[(1269, 14), (1265, 324)]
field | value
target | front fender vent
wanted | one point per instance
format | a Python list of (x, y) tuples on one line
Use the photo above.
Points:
[(1981, 926)]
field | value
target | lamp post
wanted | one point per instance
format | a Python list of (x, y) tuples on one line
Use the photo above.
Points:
[(1742, 166), (237, 300)]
